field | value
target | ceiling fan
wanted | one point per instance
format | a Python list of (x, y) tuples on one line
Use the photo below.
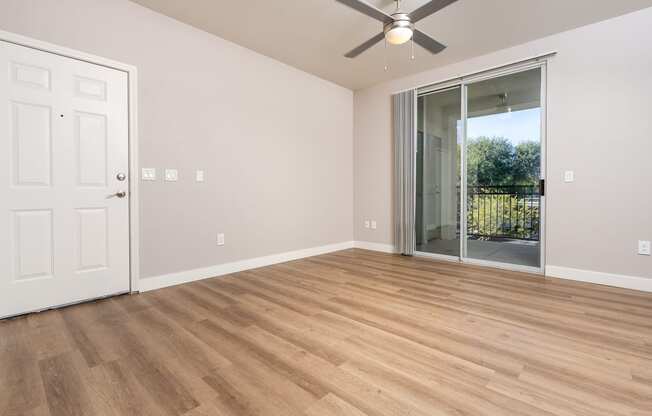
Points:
[(398, 27)]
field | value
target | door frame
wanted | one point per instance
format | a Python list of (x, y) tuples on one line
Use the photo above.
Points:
[(132, 103), (463, 82)]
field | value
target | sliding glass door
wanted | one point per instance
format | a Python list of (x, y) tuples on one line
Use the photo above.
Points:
[(503, 169), (479, 170), (438, 173)]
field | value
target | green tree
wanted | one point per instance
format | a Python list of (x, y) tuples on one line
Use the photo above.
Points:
[(527, 163), (495, 161), (490, 161)]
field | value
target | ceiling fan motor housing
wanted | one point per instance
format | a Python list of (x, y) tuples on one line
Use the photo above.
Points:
[(399, 30)]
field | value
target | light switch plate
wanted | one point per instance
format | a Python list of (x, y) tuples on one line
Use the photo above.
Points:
[(569, 176), (199, 176), (220, 239), (148, 174), (171, 175), (644, 248), (366, 224), (373, 225)]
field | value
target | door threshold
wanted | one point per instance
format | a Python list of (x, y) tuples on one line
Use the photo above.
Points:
[(483, 263), (504, 266), (435, 256)]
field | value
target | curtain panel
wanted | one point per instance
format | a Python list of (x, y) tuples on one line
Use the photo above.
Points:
[(404, 109)]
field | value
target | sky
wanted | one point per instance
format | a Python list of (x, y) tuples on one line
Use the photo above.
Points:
[(517, 126)]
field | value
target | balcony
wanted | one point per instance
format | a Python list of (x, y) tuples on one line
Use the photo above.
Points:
[(503, 224)]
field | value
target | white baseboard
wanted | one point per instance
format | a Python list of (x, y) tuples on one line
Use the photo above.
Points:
[(609, 279), (157, 282), (384, 248), (177, 278)]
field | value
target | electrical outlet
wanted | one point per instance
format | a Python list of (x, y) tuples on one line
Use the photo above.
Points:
[(366, 224), (148, 174), (644, 248), (171, 175), (569, 176), (199, 176), (220, 239), (373, 225)]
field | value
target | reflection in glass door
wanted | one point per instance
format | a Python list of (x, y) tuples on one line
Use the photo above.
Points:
[(438, 173), (503, 169)]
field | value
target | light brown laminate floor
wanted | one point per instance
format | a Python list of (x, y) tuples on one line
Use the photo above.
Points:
[(349, 333)]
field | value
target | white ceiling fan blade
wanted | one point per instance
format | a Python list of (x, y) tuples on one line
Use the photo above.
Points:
[(429, 8), (368, 9), (368, 44)]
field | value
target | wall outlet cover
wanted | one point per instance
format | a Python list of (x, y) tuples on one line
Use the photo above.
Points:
[(148, 174), (644, 248), (374, 225), (171, 175), (199, 176), (569, 176), (220, 239)]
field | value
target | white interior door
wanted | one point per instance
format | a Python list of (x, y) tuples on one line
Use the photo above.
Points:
[(63, 147)]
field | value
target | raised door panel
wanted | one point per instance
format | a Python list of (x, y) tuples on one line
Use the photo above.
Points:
[(31, 76), (91, 143), (92, 239), (90, 88), (33, 244), (32, 142)]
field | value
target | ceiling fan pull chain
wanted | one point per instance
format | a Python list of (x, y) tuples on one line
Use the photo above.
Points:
[(385, 56), (412, 48)]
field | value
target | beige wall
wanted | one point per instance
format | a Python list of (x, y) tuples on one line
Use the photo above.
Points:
[(599, 125), (277, 146), (275, 143)]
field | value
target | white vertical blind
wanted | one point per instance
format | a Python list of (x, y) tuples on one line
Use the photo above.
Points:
[(404, 108)]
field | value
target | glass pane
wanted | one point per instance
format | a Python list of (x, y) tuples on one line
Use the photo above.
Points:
[(438, 173), (503, 153)]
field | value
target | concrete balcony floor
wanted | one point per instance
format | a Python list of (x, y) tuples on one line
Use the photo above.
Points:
[(519, 252)]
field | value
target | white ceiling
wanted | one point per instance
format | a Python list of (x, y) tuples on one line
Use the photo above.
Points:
[(313, 35)]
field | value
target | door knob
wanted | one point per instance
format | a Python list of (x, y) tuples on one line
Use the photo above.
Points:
[(120, 194)]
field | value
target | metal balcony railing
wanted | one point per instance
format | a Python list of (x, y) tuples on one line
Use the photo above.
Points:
[(503, 212)]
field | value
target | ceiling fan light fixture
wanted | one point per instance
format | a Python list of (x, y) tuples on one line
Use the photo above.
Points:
[(399, 35), (400, 30)]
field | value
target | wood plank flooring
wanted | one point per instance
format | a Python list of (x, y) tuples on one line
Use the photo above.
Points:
[(349, 333)]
